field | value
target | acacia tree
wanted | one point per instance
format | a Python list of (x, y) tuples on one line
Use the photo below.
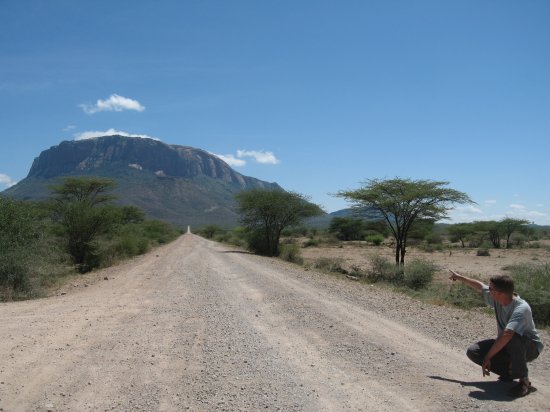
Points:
[(266, 213), (511, 225), (460, 231), (79, 207), (402, 201)]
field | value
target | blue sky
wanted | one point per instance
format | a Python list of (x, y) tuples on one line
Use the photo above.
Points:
[(316, 95)]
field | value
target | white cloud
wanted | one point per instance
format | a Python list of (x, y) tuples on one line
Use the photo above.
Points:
[(69, 128), (260, 157), (517, 207), (239, 159), (114, 103), (231, 160), (6, 180), (467, 213), (111, 132)]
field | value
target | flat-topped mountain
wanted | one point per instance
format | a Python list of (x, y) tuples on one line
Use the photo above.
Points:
[(179, 184)]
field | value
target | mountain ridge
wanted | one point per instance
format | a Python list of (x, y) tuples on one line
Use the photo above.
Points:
[(179, 184)]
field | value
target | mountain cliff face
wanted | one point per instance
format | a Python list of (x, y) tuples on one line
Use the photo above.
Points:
[(180, 184), (133, 152)]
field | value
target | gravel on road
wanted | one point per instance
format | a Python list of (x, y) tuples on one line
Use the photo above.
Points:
[(200, 326)]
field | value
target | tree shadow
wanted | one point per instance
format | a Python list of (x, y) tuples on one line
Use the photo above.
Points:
[(487, 390)]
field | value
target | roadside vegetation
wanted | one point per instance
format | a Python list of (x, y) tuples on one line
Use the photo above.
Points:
[(422, 278), (75, 231)]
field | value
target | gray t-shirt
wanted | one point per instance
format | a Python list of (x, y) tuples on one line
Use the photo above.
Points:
[(515, 316)]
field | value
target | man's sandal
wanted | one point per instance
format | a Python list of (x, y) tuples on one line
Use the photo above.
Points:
[(520, 390)]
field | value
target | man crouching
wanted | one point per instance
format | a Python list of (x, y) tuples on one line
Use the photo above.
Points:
[(517, 343)]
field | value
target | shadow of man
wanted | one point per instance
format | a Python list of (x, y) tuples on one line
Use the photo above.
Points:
[(488, 390)]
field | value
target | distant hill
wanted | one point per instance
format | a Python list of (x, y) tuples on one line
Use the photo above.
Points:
[(179, 184)]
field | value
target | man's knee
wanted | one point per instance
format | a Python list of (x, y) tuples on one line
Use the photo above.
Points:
[(474, 354)]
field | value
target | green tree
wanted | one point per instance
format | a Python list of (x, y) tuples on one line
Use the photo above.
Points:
[(20, 229), (266, 213), (421, 229), (402, 201), (210, 230), (491, 229), (80, 206), (510, 225), (459, 232), (347, 228)]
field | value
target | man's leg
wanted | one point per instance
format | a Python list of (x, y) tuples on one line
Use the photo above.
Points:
[(500, 364), (520, 351), (477, 351)]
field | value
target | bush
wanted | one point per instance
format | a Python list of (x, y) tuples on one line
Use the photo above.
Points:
[(357, 271), (419, 274), (532, 283), (20, 230), (209, 231), (131, 246), (158, 231), (291, 253), (375, 239), (384, 270), (330, 264), (462, 296), (311, 242), (14, 272), (456, 294), (257, 242)]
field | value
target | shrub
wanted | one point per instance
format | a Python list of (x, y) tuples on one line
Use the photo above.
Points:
[(357, 271), (130, 246), (419, 274), (257, 243), (14, 273), (291, 253), (456, 294), (311, 242), (384, 270), (209, 231), (158, 231), (375, 239), (20, 230), (329, 264), (532, 283)]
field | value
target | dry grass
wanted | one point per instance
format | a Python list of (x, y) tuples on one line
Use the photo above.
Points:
[(464, 261)]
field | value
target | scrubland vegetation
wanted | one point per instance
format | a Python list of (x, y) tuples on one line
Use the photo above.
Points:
[(76, 231), (79, 229), (424, 276)]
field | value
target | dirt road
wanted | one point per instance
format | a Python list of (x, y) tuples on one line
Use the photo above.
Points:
[(198, 326)]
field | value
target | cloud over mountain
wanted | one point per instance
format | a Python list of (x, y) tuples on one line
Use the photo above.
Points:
[(92, 134), (6, 180), (115, 103), (238, 160)]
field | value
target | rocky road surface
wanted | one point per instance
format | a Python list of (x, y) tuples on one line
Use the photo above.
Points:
[(199, 326)]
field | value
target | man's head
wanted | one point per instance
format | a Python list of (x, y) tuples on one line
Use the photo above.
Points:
[(502, 284)]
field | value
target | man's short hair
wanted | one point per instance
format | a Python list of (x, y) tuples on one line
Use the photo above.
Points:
[(503, 283)]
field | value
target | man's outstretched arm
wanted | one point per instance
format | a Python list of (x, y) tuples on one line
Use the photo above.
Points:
[(472, 283)]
